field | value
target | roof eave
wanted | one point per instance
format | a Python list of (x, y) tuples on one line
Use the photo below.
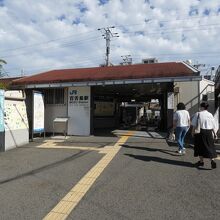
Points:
[(113, 82)]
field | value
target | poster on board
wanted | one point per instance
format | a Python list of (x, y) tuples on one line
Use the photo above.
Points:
[(38, 112), (15, 113), (2, 99)]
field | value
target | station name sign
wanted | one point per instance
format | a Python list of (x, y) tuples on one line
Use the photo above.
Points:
[(78, 99)]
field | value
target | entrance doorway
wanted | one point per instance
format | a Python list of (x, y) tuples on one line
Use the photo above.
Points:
[(141, 107)]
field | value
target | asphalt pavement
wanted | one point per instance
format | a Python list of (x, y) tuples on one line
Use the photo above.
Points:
[(146, 179)]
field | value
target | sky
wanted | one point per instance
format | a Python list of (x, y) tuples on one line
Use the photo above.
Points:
[(37, 36)]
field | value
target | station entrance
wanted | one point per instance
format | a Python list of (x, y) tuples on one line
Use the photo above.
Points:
[(140, 107)]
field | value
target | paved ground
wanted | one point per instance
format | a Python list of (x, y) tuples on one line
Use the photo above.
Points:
[(145, 179)]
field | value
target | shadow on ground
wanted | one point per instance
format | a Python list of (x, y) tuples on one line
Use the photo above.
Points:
[(161, 160), (169, 152)]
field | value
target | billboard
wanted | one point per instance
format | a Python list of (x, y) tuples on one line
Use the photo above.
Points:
[(38, 112), (2, 99)]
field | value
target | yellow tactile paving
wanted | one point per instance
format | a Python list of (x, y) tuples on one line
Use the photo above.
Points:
[(56, 216), (71, 199), (52, 146), (64, 207)]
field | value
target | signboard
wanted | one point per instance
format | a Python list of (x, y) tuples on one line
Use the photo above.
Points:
[(2, 99), (15, 111), (79, 110), (170, 100), (38, 112), (104, 109), (78, 98), (15, 115)]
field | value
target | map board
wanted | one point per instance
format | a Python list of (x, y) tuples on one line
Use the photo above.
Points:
[(15, 115), (38, 112)]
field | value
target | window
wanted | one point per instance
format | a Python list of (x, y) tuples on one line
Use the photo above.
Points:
[(204, 98), (54, 96)]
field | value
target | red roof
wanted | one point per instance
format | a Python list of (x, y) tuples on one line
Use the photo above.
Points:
[(137, 71), (7, 81)]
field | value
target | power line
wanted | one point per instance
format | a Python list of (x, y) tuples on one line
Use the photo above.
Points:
[(95, 38), (181, 29), (146, 21), (166, 21), (45, 42), (71, 44), (31, 68)]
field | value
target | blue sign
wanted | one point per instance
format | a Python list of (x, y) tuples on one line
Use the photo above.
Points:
[(2, 100)]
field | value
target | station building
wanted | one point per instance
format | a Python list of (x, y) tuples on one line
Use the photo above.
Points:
[(115, 96)]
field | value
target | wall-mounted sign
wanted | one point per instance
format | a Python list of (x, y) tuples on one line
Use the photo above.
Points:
[(170, 100), (79, 110), (15, 115), (38, 112), (2, 99), (77, 98)]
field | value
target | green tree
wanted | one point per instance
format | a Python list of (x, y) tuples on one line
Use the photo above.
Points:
[(3, 86)]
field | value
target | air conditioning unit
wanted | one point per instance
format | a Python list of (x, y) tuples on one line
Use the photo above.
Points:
[(150, 60)]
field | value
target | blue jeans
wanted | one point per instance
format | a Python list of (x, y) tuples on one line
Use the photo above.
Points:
[(180, 135)]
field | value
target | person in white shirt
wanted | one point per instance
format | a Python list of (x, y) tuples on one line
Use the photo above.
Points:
[(181, 123), (204, 140)]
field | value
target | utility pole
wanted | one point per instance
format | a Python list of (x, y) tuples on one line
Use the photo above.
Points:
[(108, 34), (198, 65), (127, 59), (1, 67)]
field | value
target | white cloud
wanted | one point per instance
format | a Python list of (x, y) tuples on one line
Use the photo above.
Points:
[(48, 34)]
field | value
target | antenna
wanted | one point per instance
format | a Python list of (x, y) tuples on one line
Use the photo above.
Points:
[(108, 34), (127, 59)]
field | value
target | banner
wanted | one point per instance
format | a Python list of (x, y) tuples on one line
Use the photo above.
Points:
[(2, 100), (38, 112)]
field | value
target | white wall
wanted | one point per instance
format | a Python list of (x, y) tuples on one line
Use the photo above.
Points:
[(16, 122), (191, 93), (16, 138), (79, 110), (207, 87), (53, 111), (188, 94)]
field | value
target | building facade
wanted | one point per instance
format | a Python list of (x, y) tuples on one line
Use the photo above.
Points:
[(92, 98)]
